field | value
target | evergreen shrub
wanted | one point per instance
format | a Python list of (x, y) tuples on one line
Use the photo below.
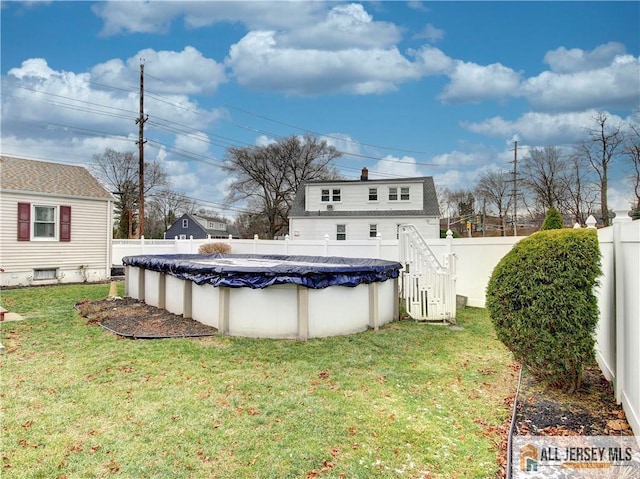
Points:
[(552, 221), (541, 300), (211, 248)]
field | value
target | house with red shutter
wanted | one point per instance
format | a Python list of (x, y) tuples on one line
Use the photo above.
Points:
[(55, 224)]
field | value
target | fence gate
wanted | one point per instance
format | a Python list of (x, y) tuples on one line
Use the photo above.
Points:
[(427, 286)]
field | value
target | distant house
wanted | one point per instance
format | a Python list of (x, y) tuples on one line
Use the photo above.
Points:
[(360, 209), (55, 224), (200, 227)]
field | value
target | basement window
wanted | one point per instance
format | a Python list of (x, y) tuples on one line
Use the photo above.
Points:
[(44, 274)]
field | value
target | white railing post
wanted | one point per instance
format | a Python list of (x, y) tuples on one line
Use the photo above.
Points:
[(191, 244), (286, 244), (255, 244), (326, 245), (378, 244), (229, 242), (591, 222), (142, 244)]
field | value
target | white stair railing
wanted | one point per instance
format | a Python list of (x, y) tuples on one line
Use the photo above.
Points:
[(428, 286)]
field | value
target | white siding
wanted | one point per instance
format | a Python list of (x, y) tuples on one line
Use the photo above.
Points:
[(355, 196), (314, 228), (90, 245)]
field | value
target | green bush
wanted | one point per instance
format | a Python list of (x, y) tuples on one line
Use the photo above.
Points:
[(553, 220), (210, 248), (443, 234), (540, 298)]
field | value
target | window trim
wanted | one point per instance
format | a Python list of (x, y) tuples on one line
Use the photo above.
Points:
[(341, 233), (325, 197), (55, 222), (373, 231), (185, 223), (373, 191), (336, 198), (404, 189), (393, 193)]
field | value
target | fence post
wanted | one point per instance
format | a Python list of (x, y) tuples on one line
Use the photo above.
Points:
[(229, 241), (591, 222), (286, 244), (255, 244), (191, 244), (326, 245), (378, 244), (622, 327), (142, 244)]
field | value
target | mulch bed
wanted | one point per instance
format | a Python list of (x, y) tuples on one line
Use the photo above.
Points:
[(591, 411), (131, 318)]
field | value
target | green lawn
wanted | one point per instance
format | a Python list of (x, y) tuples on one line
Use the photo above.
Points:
[(409, 400)]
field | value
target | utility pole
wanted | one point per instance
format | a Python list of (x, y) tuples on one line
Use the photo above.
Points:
[(140, 121), (515, 189)]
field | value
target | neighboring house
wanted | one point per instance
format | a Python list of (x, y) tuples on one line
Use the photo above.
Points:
[(55, 224), (200, 227), (360, 209)]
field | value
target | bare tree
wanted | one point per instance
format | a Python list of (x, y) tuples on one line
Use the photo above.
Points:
[(165, 207), (582, 191), (544, 173), (270, 175), (601, 146), (495, 188), (119, 172), (632, 152)]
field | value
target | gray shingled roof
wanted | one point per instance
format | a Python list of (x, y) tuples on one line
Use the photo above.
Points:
[(33, 176), (429, 204)]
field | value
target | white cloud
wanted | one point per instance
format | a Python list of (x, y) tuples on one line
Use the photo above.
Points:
[(185, 72), (615, 85), (258, 61), (430, 33), (157, 17), (540, 128), (471, 82), (432, 61), (562, 60), (392, 166), (345, 26)]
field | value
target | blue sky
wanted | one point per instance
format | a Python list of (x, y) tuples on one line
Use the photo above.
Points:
[(436, 89)]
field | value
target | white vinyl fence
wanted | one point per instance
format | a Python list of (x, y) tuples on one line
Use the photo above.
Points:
[(618, 335)]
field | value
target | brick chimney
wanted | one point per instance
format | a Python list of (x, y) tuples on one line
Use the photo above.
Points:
[(365, 174)]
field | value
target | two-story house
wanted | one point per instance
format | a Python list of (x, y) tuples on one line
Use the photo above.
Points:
[(200, 227), (360, 209)]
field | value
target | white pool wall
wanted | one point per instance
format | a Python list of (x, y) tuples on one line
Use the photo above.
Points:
[(279, 311)]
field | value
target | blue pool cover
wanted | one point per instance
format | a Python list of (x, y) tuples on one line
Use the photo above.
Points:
[(261, 271)]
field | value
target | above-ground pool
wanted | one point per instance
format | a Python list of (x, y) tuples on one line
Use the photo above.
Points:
[(269, 296)]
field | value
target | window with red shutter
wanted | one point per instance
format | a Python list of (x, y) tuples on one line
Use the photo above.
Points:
[(65, 223), (24, 221)]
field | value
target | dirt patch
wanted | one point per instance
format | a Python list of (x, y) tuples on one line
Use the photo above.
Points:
[(592, 411), (131, 318)]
